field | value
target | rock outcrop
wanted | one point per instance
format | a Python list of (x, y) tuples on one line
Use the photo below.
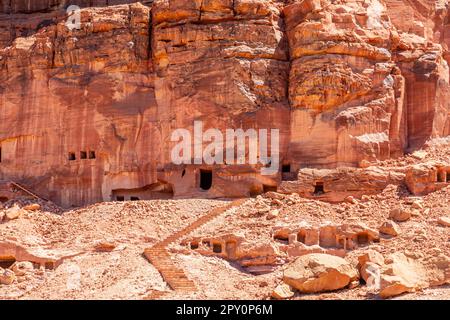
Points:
[(405, 274), (319, 272), (87, 115), (335, 185)]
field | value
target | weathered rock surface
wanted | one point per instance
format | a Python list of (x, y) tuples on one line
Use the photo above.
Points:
[(444, 221), (427, 177), (22, 268), (13, 213), (283, 291), (7, 276), (104, 246), (406, 274), (400, 214), (87, 115), (319, 272), (371, 256), (336, 185), (32, 207), (390, 228)]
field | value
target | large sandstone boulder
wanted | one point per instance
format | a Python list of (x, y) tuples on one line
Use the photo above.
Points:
[(319, 272)]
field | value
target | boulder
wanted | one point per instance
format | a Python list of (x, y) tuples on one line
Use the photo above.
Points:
[(402, 275), (390, 228), (318, 272)]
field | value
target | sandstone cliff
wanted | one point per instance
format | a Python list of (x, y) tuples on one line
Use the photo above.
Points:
[(86, 115)]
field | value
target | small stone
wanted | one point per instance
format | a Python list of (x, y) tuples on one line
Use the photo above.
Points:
[(104, 246), (364, 164), (263, 209), (13, 213), (32, 207), (340, 210), (272, 214), (419, 154), (283, 291), (274, 195), (416, 213), (390, 228), (400, 214), (353, 284), (369, 269), (22, 268), (277, 202), (351, 199), (7, 276), (263, 284)]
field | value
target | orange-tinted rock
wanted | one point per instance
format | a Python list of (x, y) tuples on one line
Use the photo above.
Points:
[(345, 90), (87, 115), (319, 272), (405, 274), (339, 184)]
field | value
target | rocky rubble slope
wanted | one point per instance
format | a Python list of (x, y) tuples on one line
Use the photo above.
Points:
[(91, 111)]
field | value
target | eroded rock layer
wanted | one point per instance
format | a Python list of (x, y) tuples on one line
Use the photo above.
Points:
[(87, 115)]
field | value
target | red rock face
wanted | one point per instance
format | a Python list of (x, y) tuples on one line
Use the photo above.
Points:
[(87, 115)]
